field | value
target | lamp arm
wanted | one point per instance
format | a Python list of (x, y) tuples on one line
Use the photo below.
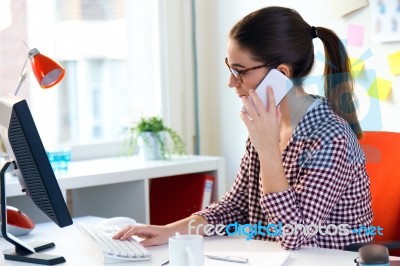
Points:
[(24, 73)]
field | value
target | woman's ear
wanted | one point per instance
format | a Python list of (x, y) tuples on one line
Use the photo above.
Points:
[(285, 69)]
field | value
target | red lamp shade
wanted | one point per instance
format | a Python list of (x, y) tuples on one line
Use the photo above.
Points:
[(47, 72)]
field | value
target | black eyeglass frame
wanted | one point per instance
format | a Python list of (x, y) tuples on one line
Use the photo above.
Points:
[(238, 73)]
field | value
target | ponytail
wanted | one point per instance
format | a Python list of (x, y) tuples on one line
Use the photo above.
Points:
[(339, 83)]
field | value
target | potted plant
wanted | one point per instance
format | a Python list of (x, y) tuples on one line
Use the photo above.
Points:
[(150, 138)]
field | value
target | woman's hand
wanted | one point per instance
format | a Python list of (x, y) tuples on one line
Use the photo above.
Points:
[(153, 235), (263, 126), (262, 123)]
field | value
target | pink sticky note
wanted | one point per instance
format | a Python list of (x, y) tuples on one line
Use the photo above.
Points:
[(355, 35)]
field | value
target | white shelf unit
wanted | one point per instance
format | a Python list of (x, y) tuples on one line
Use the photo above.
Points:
[(117, 186)]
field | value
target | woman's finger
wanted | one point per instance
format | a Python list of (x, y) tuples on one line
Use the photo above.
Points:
[(249, 105), (258, 102), (271, 99), (121, 232), (247, 121)]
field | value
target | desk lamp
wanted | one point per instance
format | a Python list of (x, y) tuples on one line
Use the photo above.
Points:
[(47, 72)]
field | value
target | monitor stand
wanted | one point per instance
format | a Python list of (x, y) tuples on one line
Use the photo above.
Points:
[(22, 251)]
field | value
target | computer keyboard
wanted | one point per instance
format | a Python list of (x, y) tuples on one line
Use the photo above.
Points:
[(110, 250)]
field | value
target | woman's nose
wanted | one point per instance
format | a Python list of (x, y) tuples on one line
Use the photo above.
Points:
[(233, 83)]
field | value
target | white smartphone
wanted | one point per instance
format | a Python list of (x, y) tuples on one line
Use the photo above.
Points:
[(280, 85)]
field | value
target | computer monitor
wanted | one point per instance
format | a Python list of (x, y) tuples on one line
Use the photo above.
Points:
[(28, 158)]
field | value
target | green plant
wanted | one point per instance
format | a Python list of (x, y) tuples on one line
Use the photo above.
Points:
[(156, 126)]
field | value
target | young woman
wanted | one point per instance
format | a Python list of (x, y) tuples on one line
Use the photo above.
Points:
[(303, 169)]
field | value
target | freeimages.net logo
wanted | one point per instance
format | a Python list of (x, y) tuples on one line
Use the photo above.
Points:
[(282, 230)]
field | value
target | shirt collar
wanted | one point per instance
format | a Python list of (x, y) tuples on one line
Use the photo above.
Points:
[(313, 118)]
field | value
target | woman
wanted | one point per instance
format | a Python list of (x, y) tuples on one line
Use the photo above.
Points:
[(302, 166)]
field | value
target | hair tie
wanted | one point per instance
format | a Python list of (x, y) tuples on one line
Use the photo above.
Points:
[(314, 32)]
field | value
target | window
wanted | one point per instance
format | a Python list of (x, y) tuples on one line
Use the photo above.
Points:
[(120, 63), (98, 45), (93, 93)]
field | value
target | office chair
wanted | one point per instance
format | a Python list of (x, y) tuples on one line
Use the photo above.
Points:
[(383, 167)]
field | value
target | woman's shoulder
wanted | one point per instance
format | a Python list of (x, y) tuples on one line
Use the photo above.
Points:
[(323, 118), (323, 123), (329, 127)]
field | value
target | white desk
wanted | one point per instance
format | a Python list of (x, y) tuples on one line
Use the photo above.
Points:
[(75, 251), (118, 186)]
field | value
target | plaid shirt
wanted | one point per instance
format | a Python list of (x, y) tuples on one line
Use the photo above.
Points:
[(325, 168)]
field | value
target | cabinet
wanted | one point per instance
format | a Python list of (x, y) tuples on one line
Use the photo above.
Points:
[(175, 197)]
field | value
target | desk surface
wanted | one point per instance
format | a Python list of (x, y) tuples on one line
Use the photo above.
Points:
[(69, 245)]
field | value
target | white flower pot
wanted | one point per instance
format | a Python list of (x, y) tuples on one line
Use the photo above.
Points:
[(149, 146)]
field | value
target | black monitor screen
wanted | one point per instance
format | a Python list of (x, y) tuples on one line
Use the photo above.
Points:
[(38, 177), (28, 156)]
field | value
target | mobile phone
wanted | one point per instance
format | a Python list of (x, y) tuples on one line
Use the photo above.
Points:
[(280, 85)]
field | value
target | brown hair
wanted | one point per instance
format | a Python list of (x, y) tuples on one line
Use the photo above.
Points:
[(278, 34)]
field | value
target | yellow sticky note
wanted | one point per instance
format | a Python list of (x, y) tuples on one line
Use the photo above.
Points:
[(357, 66), (380, 88), (394, 63)]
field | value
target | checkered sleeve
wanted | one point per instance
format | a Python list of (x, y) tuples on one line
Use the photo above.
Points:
[(324, 174), (233, 207)]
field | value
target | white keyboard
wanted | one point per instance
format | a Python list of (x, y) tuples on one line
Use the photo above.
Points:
[(110, 250)]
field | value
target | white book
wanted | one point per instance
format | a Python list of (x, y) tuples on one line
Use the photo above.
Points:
[(208, 187)]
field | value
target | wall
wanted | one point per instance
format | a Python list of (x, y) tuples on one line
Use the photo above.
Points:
[(221, 129), (13, 51)]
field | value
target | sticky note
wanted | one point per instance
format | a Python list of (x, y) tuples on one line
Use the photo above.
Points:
[(355, 35), (380, 88), (357, 66), (394, 63)]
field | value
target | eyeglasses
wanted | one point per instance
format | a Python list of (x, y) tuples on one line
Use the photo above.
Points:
[(238, 73)]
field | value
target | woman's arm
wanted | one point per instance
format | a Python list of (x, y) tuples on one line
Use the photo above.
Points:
[(158, 235), (319, 186)]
